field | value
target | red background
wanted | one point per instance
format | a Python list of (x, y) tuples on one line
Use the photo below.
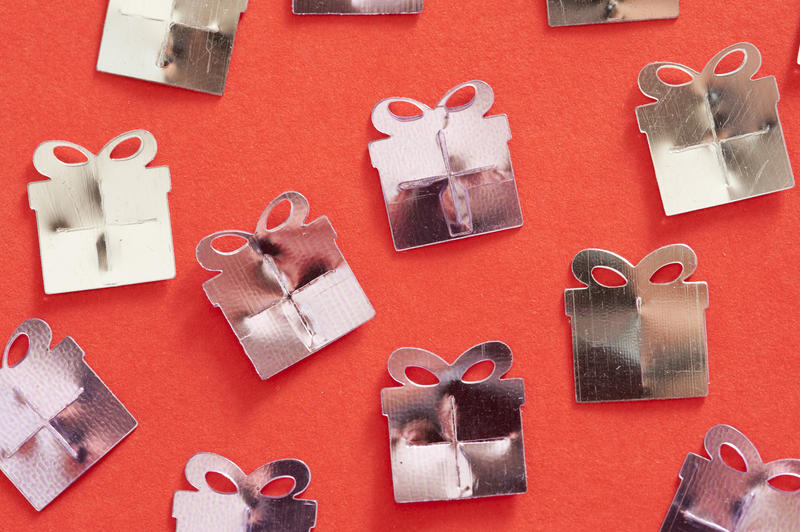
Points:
[(295, 115)]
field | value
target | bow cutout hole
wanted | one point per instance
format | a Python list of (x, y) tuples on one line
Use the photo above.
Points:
[(220, 483), (460, 99), (788, 482), (731, 63), (279, 487), (18, 350), (480, 371), (70, 155), (674, 76), (668, 273), (732, 457), (421, 376), (279, 214), (608, 277), (405, 110), (126, 149), (227, 244)]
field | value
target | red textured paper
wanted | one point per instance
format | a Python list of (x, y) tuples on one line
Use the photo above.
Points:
[(295, 115)]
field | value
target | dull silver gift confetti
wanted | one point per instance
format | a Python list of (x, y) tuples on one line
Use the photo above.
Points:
[(445, 173), (57, 418), (287, 292), (715, 138), (105, 221), (246, 509), (715, 497), (184, 43), (643, 339), (455, 439), (571, 12)]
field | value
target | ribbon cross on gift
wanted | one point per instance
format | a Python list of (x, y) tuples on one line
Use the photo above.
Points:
[(287, 291), (245, 509), (455, 439), (22, 416), (446, 173), (715, 496), (715, 138), (104, 221)]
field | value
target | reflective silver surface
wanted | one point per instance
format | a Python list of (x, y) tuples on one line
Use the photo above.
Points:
[(715, 497), (716, 138), (455, 439), (103, 222), (447, 173), (184, 43), (287, 292), (57, 418), (355, 7), (572, 12), (207, 510), (642, 340)]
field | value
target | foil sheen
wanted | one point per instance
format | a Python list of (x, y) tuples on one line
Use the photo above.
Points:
[(715, 138), (455, 439), (356, 7), (572, 12), (446, 173), (184, 43), (245, 509), (640, 340), (57, 418), (715, 497), (287, 292)]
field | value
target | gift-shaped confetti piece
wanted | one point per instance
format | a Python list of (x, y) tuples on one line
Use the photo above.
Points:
[(446, 173), (105, 221), (57, 418), (572, 12), (641, 340), (246, 509), (287, 292), (455, 439), (714, 496), (716, 138), (184, 43), (356, 7)]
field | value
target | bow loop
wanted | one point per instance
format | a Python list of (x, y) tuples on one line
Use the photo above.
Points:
[(297, 215), (748, 68), (286, 468), (721, 435), (406, 357), (656, 88), (47, 164), (671, 254), (481, 102), (588, 259), (389, 123), (211, 258), (496, 352), (787, 466), (39, 338), (201, 464)]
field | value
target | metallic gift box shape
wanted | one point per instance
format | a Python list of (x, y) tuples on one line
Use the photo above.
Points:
[(455, 439), (57, 418), (715, 497), (207, 510), (447, 173), (184, 43), (356, 7), (573, 12), (103, 222), (287, 292), (716, 138), (642, 340)]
